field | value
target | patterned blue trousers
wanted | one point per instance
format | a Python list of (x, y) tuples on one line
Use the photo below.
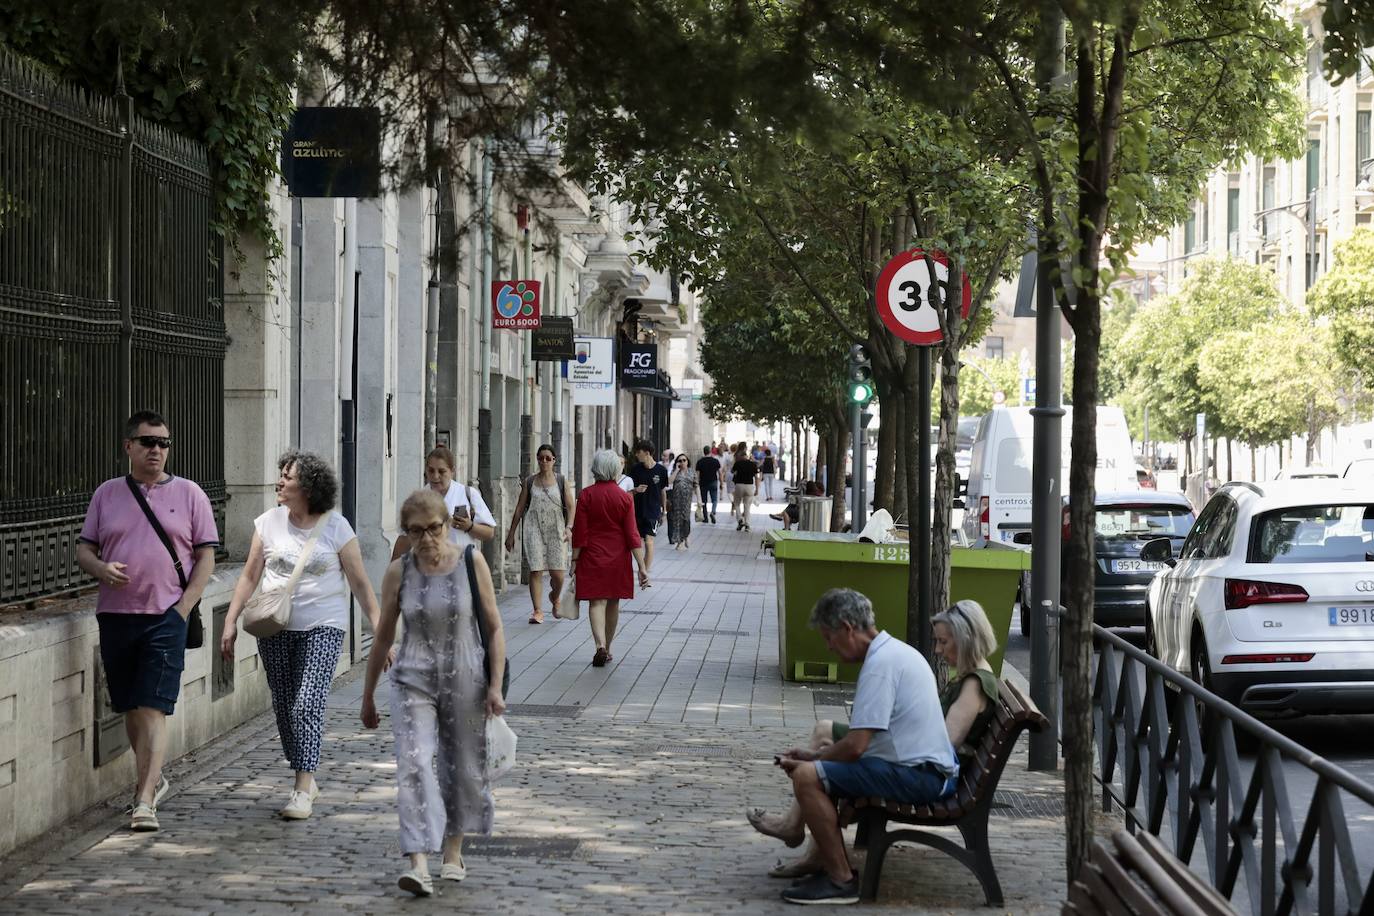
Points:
[(300, 668)]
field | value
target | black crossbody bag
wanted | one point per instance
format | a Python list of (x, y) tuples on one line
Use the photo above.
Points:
[(195, 630), (482, 624)]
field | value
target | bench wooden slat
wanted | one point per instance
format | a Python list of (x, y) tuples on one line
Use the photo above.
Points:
[(1122, 885), (1081, 902), (1137, 875), (1200, 894)]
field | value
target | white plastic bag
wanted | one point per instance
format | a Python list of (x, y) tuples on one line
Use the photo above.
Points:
[(568, 608), (501, 743)]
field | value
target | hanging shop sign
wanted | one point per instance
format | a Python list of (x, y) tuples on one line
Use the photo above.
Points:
[(591, 372), (638, 365), (904, 295), (515, 304), (553, 339), (333, 152)]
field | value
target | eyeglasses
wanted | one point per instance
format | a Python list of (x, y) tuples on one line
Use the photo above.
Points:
[(161, 442), (434, 531)]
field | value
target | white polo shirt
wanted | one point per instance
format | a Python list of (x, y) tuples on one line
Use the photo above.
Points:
[(897, 700)]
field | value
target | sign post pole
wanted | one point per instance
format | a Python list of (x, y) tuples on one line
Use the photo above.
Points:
[(920, 556)]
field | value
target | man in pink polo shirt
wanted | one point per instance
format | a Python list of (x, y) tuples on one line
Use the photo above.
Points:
[(142, 608)]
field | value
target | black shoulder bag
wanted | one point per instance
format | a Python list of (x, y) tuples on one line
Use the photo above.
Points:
[(482, 624), (195, 630)]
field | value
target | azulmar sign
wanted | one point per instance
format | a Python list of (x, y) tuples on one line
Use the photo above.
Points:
[(333, 152), (638, 365)]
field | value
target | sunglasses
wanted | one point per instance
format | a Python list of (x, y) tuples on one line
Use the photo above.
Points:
[(434, 531), (161, 442)]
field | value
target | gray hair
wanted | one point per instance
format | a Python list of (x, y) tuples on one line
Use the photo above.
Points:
[(841, 606), (973, 637), (606, 465)]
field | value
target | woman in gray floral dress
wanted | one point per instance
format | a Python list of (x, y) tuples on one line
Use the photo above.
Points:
[(440, 694), (682, 488), (546, 505)]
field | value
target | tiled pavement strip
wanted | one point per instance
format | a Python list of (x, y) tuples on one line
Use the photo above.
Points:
[(636, 804)]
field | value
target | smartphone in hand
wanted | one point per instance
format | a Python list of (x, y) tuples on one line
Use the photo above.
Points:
[(460, 512)]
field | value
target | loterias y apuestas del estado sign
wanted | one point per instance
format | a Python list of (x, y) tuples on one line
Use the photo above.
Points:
[(333, 152)]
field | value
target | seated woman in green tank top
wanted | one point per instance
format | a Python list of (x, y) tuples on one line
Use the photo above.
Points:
[(963, 637)]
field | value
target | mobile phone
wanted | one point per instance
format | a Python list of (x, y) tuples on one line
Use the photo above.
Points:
[(460, 511), (777, 760)]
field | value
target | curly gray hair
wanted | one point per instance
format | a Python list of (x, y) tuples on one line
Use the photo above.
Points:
[(315, 477), (841, 606), (606, 465)]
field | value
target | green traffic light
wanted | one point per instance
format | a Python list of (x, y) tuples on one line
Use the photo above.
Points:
[(860, 394)]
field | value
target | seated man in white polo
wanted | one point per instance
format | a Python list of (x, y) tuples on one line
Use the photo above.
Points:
[(897, 747)]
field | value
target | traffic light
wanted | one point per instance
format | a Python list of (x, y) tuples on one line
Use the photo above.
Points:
[(860, 376)]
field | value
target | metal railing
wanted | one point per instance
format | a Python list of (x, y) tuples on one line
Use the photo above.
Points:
[(69, 162), (1158, 757)]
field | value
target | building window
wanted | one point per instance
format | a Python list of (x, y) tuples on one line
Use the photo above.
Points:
[(1190, 231), (1267, 200), (1314, 165), (993, 347), (1362, 145)]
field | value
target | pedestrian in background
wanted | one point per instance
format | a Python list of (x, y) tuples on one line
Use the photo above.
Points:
[(709, 476), (650, 495), (604, 538), (546, 505), (727, 465), (769, 471), (300, 660), (470, 521), (441, 696), (745, 472), (149, 539), (681, 491)]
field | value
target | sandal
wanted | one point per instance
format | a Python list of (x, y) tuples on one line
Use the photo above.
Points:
[(600, 658), (537, 617), (793, 870), (755, 817)]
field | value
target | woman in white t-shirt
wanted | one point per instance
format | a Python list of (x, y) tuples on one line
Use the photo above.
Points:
[(469, 519), (300, 660)]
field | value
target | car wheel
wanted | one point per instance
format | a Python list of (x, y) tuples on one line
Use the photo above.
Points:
[(1199, 668), (1151, 644)]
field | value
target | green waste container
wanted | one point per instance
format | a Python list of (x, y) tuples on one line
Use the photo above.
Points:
[(811, 562)]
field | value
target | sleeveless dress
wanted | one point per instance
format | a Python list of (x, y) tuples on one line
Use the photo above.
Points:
[(543, 534), (438, 712), (680, 507)]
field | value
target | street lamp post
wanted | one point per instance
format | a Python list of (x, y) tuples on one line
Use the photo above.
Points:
[(1309, 225)]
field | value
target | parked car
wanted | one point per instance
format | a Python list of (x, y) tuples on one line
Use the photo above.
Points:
[(1270, 603), (1361, 469), (1306, 472), (1125, 522)]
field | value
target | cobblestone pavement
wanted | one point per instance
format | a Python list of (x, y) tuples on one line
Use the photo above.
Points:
[(629, 796)]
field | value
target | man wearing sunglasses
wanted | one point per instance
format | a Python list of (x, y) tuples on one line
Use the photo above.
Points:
[(142, 608)]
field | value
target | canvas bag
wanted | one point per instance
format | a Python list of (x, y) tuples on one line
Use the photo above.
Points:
[(269, 610), (568, 607)]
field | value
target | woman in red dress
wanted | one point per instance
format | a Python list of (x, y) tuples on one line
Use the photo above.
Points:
[(604, 537)]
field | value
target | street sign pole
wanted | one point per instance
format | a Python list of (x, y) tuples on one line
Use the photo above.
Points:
[(922, 554), (856, 470), (1048, 415)]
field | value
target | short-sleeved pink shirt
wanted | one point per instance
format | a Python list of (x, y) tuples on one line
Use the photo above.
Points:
[(118, 529)]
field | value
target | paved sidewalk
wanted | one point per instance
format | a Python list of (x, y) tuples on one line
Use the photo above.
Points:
[(629, 796)]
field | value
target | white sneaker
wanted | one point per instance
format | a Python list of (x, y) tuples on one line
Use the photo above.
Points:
[(418, 883), (299, 806), (144, 818), (454, 871), (162, 788)]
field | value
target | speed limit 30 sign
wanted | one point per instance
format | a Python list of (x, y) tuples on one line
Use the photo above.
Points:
[(904, 295)]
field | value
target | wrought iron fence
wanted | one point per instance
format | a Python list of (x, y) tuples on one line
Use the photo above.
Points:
[(1168, 750), (67, 158)]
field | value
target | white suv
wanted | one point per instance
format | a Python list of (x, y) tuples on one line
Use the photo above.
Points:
[(1270, 603)]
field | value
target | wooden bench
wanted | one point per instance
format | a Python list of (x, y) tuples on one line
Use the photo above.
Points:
[(967, 809), (1138, 876)]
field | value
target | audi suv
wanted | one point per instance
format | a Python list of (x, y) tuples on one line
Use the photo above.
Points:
[(1270, 602)]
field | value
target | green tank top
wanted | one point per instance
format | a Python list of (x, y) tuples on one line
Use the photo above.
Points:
[(988, 682)]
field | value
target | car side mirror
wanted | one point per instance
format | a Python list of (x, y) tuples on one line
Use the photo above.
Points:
[(1021, 537), (1158, 551)]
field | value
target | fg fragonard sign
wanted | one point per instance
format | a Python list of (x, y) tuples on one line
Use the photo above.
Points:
[(333, 152), (515, 304), (638, 365)]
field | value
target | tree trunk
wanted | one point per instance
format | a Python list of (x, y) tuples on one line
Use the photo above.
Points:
[(1229, 474), (900, 503), (1187, 455), (1078, 588), (940, 542), (884, 471), (838, 442), (1254, 471), (822, 456)]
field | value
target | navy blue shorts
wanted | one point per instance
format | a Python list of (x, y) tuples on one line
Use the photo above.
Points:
[(869, 777), (144, 655), (647, 527)]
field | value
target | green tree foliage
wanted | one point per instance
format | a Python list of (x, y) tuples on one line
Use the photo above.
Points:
[(1157, 358), (1344, 296)]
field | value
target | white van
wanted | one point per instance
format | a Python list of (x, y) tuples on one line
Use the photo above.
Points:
[(998, 504)]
